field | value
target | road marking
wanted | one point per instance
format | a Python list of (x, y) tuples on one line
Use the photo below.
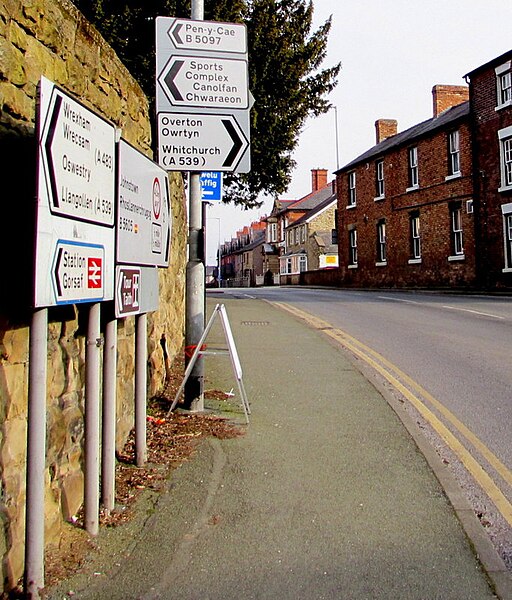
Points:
[(475, 312), (472, 465), (469, 310)]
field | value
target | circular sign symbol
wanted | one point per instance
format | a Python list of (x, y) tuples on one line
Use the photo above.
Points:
[(157, 198)]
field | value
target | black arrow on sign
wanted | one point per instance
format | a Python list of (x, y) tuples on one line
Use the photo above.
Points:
[(48, 150), (169, 79), (176, 34), (57, 280), (237, 143)]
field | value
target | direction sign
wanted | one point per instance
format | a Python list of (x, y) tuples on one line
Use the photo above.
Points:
[(206, 82), (75, 202), (78, 160), (78, 272), (201, 143), (211, 186), (143, 220), (136, 290), (202, 72), (205, 35)]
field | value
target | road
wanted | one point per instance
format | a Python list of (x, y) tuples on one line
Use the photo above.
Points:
[(447, 357)]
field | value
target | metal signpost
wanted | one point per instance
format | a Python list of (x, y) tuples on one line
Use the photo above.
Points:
[(73, 263), (203, 103)]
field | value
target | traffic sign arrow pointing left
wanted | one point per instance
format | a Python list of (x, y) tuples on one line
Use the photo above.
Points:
[(170, 77)]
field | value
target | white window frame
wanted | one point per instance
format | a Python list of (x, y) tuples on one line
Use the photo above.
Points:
[(457, 238), (506, 210), (303, 233), (380, 189), (505, 138), (303, 263), (352, 248), (352, 196), (272, 232), (415, 239), (381, 244), (412, 165), (453, 154), (503, 85)]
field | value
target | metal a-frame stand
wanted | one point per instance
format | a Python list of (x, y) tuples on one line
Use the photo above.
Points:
[(235, 361)]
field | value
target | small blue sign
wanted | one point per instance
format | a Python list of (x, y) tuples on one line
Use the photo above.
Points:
[(211, 185)]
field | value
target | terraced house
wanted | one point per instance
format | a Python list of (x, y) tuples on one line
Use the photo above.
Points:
[(406, 205)]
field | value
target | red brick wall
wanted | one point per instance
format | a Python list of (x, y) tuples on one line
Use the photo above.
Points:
[(487, 123)]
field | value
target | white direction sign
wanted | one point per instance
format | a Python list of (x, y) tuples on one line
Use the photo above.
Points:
[(75, 241), (205, 35), (143, 216), (197, 81), (78, 272), (77, 152), (191, 142)]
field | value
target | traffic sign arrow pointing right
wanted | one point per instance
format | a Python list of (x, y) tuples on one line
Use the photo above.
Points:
[(237, 143)]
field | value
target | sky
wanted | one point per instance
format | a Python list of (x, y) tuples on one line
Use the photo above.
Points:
[(392, 53)]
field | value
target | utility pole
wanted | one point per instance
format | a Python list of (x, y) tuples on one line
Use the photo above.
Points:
[(195, 284)]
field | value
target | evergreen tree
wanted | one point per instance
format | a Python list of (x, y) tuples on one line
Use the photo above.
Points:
[(285, 74)]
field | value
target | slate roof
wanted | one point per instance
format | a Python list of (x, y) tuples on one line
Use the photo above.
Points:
[(416, 131), (314, 211), (312, 200)]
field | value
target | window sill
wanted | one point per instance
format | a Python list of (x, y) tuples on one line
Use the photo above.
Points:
[(413, 188), (505, 105), (349, 206), (414, 261), (382, 264), (351, 266), (379, 198), (456, 257), (454, 176), (507, 270), (505, 188)]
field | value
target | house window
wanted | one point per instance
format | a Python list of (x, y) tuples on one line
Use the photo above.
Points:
[(352, 247), (303, 233), (505, 137), (379, 179), (503, 85), (352, 188), (381, 242), (414, 229), (272, 232), (413, 168), (456, 230), (506, 210), (303, 263), (453, 154)]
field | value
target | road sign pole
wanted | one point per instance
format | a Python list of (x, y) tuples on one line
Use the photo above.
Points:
[(195, 286)]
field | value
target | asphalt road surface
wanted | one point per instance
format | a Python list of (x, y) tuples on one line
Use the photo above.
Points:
[(447, 357)]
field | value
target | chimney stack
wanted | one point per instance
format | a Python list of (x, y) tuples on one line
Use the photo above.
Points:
[(318, 179), (385, 128), (447, 96)]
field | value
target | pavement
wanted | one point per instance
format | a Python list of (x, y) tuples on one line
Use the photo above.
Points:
[(332, 493)]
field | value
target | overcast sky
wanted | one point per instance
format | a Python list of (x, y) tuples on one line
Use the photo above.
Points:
[(392, 53)]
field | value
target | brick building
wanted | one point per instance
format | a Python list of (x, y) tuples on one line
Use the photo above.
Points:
[(405, 207), (491, 109), (284, 214)]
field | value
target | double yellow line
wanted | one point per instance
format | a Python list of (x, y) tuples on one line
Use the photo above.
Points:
[(399, 380)]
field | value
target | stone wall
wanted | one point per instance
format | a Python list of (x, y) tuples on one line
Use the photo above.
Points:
[(51, 38)]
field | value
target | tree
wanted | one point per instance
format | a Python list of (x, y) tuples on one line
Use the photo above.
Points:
[(285, 74)]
